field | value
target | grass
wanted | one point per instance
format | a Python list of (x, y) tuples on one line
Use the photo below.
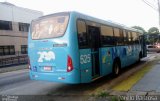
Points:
[(106, 95), (115, 98), (102, 94), (126, 85)]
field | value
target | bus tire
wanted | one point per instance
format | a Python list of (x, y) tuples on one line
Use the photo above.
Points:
[(116, 68)]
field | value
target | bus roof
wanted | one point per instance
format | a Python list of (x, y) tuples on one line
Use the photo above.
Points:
[(90, 18), (108, 22)]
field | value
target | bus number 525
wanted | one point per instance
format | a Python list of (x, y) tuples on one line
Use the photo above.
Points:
[(85, 59)]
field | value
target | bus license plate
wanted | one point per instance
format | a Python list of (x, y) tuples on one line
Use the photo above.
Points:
[(47, 68)]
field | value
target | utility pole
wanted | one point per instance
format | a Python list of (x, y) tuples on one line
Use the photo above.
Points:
[(157, 8), (154, 7), (158, 1)]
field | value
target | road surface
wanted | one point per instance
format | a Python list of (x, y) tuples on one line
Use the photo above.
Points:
[(18, 83)]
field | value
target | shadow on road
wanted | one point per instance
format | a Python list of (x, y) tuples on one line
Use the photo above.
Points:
[(84, 89)]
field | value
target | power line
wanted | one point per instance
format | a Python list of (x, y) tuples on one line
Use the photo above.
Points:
[(151, 5), (155, 8)]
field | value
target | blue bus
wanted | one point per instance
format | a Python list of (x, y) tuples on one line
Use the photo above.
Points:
[(70, 47)]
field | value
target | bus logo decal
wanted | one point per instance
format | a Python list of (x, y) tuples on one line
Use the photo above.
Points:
[(48, 56)]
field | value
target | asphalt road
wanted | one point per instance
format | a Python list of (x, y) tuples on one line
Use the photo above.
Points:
[(18, 83)]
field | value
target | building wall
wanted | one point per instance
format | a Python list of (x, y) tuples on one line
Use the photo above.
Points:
[(13, 13), (15, 37)]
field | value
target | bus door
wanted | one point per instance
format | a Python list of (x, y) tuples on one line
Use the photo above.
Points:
[(143, 45), (94, 33)]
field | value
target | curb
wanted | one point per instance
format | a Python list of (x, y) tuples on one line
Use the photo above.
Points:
[(107, 87)]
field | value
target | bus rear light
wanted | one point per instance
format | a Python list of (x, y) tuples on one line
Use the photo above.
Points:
[(29, 67), (69, 64)]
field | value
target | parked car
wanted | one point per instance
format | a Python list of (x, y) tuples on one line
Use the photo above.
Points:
[(153, 48)]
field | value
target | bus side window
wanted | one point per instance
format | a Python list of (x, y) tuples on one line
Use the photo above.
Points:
[(121, 40), (129, 38), (118, 36), (106, 35), (82, 34), (137, 38), (134, 35), (125, 37)]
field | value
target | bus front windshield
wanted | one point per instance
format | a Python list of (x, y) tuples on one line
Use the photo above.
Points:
[(49, 27)]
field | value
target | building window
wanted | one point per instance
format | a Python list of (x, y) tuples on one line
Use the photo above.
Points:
[(7, 50), (12, 50), (23, 49), (5, 25), (23, 27), (1, 51)]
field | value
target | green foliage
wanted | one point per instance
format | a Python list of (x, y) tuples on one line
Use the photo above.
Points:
[(153, 30), (103, 94), (153, 35), (93, 95), (139, 28)]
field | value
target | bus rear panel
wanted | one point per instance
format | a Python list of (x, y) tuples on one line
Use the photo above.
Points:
[(50, 54)]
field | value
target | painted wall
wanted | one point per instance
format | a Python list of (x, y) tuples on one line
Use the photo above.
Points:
[(13, 13)]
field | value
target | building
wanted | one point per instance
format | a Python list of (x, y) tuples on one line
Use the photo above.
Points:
[(14, 26)]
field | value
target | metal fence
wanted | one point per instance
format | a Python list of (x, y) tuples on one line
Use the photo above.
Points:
[(13, 59)]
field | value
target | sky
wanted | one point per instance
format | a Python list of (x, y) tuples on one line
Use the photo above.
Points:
[(126, 12)]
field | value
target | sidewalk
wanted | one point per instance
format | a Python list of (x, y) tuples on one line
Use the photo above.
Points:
[(143, 81), (146, 82), (13, 68), (150, 82)]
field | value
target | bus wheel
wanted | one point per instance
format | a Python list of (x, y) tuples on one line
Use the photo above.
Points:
[(116, 69)]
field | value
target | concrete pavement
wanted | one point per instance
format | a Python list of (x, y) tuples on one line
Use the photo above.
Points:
[(143, 84), (150, 82)]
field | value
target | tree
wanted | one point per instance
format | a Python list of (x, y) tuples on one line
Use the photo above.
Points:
[(153, 35), (139, 28), (153, 30)]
